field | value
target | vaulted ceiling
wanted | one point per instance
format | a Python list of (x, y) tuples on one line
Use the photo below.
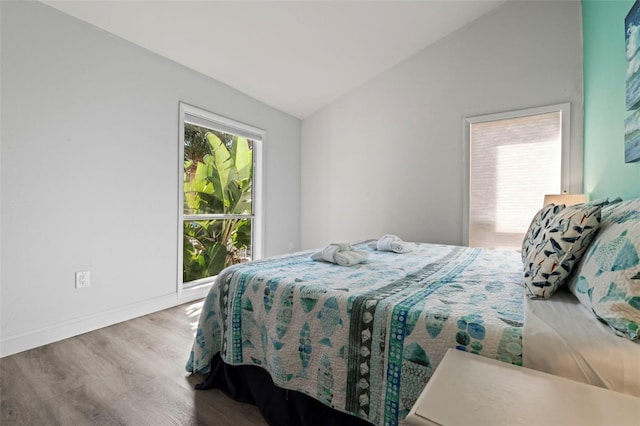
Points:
[(296, 56)]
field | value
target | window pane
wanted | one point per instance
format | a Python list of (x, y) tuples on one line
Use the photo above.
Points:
[(218, 172), (514, 163), (209, 246)]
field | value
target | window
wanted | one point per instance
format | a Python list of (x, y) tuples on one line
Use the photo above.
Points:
[(515, 158), (220, 220)]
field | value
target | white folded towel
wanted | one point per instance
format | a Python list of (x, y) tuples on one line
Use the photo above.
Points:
[(350, 257), (390, 242), (340, 254)]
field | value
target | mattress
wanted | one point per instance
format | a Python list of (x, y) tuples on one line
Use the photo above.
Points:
[(363, 339)]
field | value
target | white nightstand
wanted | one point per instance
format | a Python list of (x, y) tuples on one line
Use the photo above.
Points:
[(470, 389)]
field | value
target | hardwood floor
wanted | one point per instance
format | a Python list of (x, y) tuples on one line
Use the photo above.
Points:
[(131, 373)]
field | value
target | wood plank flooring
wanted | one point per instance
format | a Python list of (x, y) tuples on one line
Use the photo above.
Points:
[(131, 373)]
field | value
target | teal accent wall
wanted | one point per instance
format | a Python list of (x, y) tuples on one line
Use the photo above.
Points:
[(605, 172)]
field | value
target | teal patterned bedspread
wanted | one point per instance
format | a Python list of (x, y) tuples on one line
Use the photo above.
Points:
[(363, 339)]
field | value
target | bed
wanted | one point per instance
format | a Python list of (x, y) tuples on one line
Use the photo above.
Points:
[(317, 343)]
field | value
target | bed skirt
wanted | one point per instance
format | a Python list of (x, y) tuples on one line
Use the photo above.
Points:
[(279, 407)]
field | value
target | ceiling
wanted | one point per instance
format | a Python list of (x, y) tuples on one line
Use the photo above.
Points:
[(296, 56)]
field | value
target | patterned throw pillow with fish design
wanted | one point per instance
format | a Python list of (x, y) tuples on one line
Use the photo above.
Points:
[(607, 281), (540, 221), (560, 247)]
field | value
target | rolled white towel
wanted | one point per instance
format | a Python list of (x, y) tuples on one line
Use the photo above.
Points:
[(319, 255), (402, 246), (340, 254), (350, 257), (384, 243), (390, 242), (330, 251)]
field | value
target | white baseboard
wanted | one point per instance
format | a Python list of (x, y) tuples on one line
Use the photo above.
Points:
[(55, 332)]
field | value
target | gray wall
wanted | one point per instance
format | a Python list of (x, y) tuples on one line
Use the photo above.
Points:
[(388, 157), (90, 174)]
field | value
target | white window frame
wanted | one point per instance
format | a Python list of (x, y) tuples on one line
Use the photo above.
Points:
[(205, 118), (571, 173)]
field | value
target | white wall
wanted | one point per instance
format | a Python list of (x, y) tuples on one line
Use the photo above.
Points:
[(90, 174), (388, 157)]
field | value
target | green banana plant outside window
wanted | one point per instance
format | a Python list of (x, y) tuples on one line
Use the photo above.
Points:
[(218, 208)]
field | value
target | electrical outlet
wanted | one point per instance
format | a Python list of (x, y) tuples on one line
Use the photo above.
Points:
[(83, 279)]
